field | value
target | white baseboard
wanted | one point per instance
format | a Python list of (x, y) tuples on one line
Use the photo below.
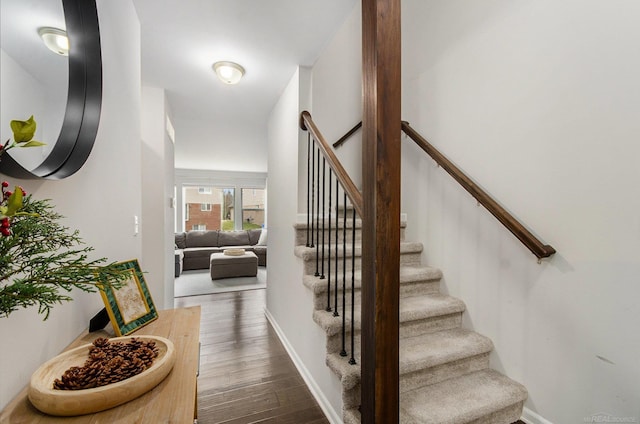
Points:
[(530, 417), (327, 408)]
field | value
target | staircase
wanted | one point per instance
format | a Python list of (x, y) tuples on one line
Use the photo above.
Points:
[(444, 369)]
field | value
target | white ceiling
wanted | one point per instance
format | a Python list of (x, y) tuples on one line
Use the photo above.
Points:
[(181, 39)]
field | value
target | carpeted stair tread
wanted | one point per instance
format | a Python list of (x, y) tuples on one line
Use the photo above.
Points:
[(411, 309), (309, 253), (408, 274), (461, 400), (418, 353), (433, 349), (429, 306)]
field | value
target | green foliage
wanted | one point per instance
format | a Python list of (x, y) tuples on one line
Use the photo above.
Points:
[(23, 132), (42, 261)]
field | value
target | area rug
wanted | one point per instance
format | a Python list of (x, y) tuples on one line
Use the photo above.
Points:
[(199, 282)]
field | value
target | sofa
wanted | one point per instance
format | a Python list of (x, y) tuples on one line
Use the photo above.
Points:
[(193, 249)]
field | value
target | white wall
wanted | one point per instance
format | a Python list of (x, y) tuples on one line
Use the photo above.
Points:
[(227, 146), (157, 226), (100, 201), (539, 102), (337, 92), (289, 302)]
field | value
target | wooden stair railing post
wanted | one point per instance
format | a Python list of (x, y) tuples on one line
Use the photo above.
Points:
[(381, 91)]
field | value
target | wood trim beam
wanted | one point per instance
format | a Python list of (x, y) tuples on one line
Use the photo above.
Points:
[(381, 90)]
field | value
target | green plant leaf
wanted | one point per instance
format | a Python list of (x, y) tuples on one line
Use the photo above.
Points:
[(33, 143), (14, 203), (23, 131), (31, 214)]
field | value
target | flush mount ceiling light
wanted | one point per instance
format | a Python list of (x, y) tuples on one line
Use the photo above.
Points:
[(55, 39), (228, 72)]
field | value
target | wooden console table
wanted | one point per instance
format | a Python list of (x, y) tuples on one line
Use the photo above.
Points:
[(171, 401)]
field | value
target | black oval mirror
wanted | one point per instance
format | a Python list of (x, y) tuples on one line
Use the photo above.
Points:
[(84, 99)]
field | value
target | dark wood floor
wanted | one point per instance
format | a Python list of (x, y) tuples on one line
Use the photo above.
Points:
[(246, 375)]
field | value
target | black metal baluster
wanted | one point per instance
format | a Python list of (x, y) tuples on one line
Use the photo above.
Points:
[(308, 181), (324, 196), (317, 274), (352, 360), (329, 249), (335, 309), (343, 352), (313, 187)]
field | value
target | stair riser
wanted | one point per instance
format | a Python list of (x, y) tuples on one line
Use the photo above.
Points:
[(430, 325), (406, 290), (507, 415), (350, 415), (320, 301), (351, 397), (407, 329), (443, 372), (410, 259), (310, 267), (301, 234), (334, 343), (351, 401)]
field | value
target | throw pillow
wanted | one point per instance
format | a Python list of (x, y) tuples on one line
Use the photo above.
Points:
[(262, 241)]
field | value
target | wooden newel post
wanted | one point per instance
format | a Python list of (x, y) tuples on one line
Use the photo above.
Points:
[(381, 221)]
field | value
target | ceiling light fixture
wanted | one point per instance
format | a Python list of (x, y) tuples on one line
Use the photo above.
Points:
[(228, 72), (55, 39)]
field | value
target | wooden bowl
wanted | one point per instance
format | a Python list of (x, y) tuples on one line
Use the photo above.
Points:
[(86, 401)]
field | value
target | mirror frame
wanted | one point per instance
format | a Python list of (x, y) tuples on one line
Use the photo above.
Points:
[(84, 99)]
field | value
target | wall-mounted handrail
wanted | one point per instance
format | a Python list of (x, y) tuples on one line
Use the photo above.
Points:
[(349, 133), (307, 124), (536, 246)]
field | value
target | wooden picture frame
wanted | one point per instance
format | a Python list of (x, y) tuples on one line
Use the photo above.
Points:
[(130, 306)]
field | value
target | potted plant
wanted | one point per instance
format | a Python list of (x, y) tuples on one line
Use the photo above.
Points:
[(41, 260)]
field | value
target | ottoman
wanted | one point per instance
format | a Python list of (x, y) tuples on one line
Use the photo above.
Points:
[(224, 266)]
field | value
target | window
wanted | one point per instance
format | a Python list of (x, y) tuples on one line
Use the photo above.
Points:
[(228, 200), (253, 201), (210, 207), (198, 227)]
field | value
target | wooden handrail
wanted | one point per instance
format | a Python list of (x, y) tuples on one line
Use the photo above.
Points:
[(349, 133), (307, 124), (536, 247)]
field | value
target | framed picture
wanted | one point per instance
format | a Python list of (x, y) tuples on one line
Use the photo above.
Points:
[(130, 306)]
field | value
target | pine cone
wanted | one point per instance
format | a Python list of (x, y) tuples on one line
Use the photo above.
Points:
[(109, 362)]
